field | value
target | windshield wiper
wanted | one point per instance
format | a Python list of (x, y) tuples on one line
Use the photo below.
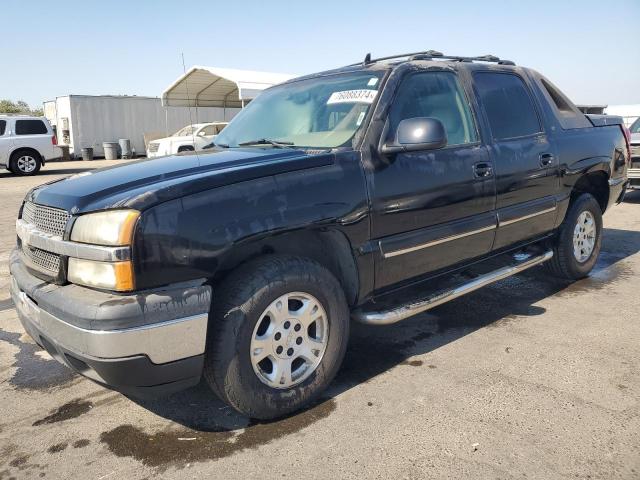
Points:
[(266, 141)]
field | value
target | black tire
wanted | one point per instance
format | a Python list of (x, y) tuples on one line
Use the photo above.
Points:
[(237, 307), (564, 263), (186, 149), (19, 161)]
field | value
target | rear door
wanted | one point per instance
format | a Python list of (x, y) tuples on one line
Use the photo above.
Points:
[(33, 133), (434, 208), (526, 166)]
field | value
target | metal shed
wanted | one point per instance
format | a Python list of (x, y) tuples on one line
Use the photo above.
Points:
[(219, 87)]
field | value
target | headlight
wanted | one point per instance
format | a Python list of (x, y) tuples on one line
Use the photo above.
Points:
[(116, 276), (105, 228)]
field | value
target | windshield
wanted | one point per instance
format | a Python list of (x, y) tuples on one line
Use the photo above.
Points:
[(635, 126), (321, 112), (185, 131)]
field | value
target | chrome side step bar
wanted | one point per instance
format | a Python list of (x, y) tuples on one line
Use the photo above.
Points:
[(394, 315)]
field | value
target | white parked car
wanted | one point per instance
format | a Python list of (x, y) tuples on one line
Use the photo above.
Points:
[(26, 143), (190, 138)]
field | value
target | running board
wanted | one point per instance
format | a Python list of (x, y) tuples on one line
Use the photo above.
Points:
[(394, 315)]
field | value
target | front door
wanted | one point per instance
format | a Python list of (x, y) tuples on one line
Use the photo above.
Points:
[(525, 162), (433, 208)]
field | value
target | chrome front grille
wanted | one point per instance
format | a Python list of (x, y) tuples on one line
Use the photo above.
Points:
[(153, 147), (635, 151), (48, 262), (46, 219)]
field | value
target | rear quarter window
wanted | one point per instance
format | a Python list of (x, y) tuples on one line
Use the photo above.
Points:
[(30, 127), (567, 114), (3, 127)]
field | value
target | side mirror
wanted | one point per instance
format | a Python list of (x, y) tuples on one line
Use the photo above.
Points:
[(419, 133)]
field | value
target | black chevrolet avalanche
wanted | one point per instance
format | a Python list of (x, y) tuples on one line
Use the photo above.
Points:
[(371, 192)]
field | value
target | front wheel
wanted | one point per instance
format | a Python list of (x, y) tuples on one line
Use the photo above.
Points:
[(579, 239), (277, 335)]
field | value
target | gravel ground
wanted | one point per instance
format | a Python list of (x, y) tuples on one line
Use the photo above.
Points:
[(528, 378)]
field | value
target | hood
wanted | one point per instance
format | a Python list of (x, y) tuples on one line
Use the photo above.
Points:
[(146, 183), (183, 138)]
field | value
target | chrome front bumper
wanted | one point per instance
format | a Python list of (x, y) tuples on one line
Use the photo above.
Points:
[(160, 342), (144, 344)]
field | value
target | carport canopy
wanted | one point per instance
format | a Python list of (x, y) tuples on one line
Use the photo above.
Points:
[(219, 87)]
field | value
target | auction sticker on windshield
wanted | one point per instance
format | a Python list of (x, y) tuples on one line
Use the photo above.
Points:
[(352, 96)]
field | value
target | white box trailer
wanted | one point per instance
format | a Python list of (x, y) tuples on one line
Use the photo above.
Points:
[(87, 121)]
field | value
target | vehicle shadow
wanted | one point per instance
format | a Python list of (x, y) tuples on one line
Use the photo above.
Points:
[(375, 350)]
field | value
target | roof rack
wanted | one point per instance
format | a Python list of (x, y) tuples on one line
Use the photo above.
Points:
[(431, 54)]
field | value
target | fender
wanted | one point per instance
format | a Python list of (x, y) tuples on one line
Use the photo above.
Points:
[(305, 212), (580, 172), (23, 147), (571, 173)]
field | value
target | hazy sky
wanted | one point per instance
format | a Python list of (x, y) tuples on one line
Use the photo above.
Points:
[(588, 48)]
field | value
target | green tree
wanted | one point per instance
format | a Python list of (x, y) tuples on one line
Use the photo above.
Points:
[(9, 106)]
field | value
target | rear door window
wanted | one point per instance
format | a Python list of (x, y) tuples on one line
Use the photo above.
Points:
[(508, 105), (30, 127), (3, 127)]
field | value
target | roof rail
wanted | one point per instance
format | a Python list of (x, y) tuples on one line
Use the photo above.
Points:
[(431, 54)]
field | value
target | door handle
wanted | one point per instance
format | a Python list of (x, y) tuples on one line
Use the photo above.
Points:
[(546, 159), (482, 170)]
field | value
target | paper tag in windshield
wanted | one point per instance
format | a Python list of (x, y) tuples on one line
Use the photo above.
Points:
[(352, 96)]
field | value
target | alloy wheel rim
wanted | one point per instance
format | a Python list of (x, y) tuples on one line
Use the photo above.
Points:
[(289, 340), (584, 236), (26, 163)]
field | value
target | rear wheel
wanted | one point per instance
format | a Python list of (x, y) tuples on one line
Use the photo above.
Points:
[(24, 162), (579, 239), (277, 335)]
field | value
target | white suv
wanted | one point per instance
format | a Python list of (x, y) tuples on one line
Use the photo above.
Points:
[(26, 143), (187, 139)]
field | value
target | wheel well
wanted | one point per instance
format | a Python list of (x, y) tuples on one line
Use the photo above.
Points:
[(329, 248), (32, 151), (185, 148), (595, 183)]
